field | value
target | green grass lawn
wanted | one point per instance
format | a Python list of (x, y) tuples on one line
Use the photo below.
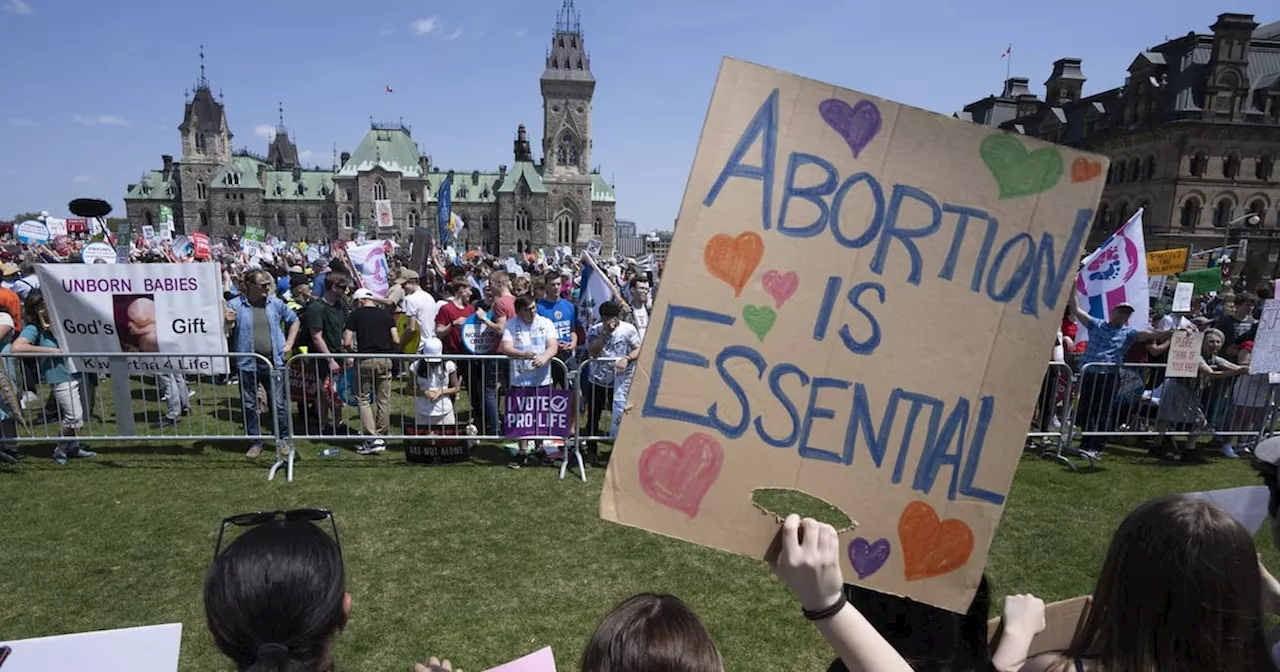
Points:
[(474, 561)]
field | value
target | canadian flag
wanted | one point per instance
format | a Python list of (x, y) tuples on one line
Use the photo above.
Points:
[(1008, 50), (388, 89)]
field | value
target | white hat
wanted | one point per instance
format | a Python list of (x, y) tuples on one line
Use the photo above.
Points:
[(362, 294), (431, 347)]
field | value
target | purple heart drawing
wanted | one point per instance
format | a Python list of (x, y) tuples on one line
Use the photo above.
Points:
[(857, 124), (868, 557)]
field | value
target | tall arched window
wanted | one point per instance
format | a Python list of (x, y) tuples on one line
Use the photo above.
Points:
[(1104, 215), (379, 190), (522, 221), (1190, 213), (348, 219), (347, 194), (240, 218), (303, 221), (1263, 167), (1199, 163), (326, 224), (204, 220), (597, 227), (1120, 170), (279, 223), (1149, 168), (231, 219), (484, 223), (413, 218), (1258, 208), (1135, 170), (1222, 213), (567, 155), (147, 218), (566, 228), (1231, 166)]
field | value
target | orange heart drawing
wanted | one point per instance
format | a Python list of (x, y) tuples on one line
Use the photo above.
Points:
[(1083, 170), (931, 547), (733, 260)]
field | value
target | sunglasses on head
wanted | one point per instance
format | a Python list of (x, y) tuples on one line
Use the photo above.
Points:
[(257, 518)]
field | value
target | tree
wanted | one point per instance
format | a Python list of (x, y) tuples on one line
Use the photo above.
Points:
[(24, 216)]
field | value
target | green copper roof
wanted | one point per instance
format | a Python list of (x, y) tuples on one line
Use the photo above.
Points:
[(311, 186), (152, 187), (467, 187), (389, 149), (530, 174), (245, 167), (601, 190)]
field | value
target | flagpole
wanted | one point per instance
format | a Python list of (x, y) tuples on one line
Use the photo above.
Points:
[(1008, 62)]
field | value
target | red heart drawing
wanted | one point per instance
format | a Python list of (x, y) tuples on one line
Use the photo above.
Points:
[(733, 260), (781, 286), (678, 476), (1083, 170), (931, 547)]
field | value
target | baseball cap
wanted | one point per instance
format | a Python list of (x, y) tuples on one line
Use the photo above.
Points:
[(407, 275), (361, 294), (1124, 305)]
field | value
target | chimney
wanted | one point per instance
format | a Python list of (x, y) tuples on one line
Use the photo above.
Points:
[(1015, 87), (424, 163), (168, 164), (475, 178), (502, 171), (297, 173), (344, 157)]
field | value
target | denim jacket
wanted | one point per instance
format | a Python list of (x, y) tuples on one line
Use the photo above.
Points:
[(277, 313)]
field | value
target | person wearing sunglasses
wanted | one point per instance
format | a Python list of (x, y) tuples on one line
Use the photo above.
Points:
[(257, 317)]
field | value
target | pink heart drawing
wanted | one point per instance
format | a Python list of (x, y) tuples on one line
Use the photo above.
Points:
[(858, 124), (678, 476), (781, 286)]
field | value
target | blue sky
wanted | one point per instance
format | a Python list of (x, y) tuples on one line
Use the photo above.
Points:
[(92, 90)]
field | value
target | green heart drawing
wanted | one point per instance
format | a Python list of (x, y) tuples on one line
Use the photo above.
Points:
[(759, 319), (1017, 171)]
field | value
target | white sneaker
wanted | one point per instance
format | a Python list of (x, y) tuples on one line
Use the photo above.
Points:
[(372, 447)]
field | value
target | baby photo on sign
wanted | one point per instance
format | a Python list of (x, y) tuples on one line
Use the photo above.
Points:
[(135, 318)]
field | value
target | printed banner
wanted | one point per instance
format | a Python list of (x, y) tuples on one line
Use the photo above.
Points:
[(200, 246), (824, 234), (383, 215), (146, 308), (370, 262), (1167, 262), (538, 411)]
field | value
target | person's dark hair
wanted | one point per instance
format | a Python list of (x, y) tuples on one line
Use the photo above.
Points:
[(1265, 292), (459, 285), (32, 308), (929, 638), (274, 598), (338, 266), (1245, 299), (640, 277), (336, 280), (610, 309), (524, 302), (651, 632), (1178, 591), (551, 276)]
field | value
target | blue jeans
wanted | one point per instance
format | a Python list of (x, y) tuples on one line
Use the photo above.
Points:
[(271, 380), (621, 388)]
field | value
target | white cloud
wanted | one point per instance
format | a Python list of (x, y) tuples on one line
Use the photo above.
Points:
[(455, 34), (17, 7), (521, 32), (21, 122), (425, 26), (305, 155), (100, 120), (265, 131), (82, 179)]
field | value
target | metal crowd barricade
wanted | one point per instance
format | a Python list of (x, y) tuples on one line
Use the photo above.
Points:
[(596, 405), (126, 396), (1050, 420)]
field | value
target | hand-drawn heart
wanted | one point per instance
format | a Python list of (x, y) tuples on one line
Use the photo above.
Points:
[(931, 547), (781, 286), (1083, 170), (1017, 171), (759, 319), (678, 476), (868, 557), (733, 260), (858, 124)]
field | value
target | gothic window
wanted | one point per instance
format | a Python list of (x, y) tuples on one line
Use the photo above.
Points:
[(200, 142), (279, 222), (522, 221), (231, 219), (484, 222), (240, 218), (1259, 209), (1231, 166), (279, 189), (348, 194), (1263, 167), (1121, 171), (413, 195), (1122, 213), (202, 192), (1149, 168), (1199, 163), (348, 219), (326, 223), (379, 190), (1222, 213), (147, 218), (204, 220), (301, 189), (1103, 216), (597, 227), (567, 155), (1135, 170), (523, 190), (302, 221), (1191, 213), (566, 228), (413, 218)]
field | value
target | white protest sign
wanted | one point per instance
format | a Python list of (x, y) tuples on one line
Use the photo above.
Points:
[(57, 227), (93, 252), (1266, 345), (477, 338), (31, 231), (824, 235), (1184, 355), (1182, 297), (1155, 285), (153, 648), (142, 308)]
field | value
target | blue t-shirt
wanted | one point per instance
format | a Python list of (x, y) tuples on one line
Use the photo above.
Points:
[(1107, 344), (562, 314), (52, 369)]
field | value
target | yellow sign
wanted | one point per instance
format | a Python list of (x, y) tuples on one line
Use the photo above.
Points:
[(1166, 262)]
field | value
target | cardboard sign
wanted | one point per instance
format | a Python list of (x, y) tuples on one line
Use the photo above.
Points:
[(1184, 355), (1167, 262), (152, 648), (444, 448), (1266, 345), (1061, 620), (537, 412), (1182, 295), (799, 342)]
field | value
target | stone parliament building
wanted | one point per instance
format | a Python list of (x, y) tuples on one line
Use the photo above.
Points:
[(558, 200), (1193, 136)]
